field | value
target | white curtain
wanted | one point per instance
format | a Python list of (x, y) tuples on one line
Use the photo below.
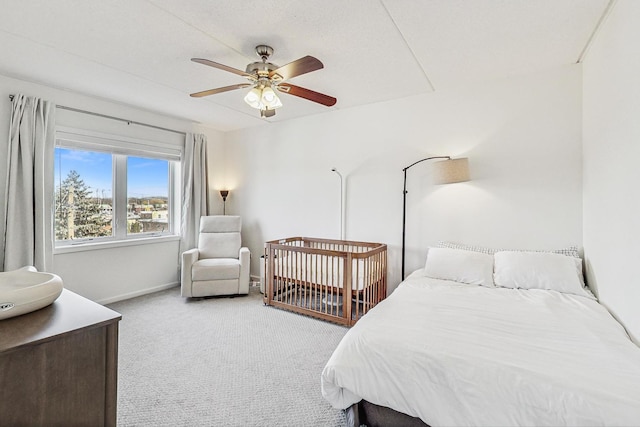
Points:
[(194, 185), (26, 217)]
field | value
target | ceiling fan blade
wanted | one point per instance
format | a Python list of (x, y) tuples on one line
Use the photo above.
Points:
[(309, 94), (221, 67), (219, 90), (297, 67)]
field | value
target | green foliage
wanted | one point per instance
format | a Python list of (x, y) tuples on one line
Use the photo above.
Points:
[(77, 215), (135, 227)]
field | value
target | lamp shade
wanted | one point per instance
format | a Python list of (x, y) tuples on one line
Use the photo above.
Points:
[(270, 99), (450, 171), (254, 98), (263, 97)]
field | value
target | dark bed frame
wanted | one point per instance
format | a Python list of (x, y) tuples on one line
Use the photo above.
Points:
[(370, 415)]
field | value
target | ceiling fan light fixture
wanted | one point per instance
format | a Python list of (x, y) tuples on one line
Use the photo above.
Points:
[(270, 99), (254, 98), (266, 112)]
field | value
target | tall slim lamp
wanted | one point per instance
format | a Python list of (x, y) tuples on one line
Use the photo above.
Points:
[(341, 204), (446, 171), (224, 194)]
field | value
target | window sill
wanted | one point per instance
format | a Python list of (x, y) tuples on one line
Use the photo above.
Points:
[(93, 246)]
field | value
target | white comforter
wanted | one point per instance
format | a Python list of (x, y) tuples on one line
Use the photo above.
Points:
[(457, 355)]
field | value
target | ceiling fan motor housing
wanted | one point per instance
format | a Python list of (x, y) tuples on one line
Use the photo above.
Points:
[(264, 51), (261, 68)]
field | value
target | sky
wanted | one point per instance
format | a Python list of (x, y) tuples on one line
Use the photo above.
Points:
[(145, 177)]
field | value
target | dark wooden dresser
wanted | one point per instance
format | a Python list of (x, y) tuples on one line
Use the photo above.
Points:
[(59, 365)]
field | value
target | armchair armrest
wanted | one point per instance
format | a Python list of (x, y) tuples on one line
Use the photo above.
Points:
[(245, 266), (188, 259)]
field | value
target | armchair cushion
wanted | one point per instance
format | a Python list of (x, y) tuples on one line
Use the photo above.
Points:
[(223, 268), (219, 245), (219, 236)]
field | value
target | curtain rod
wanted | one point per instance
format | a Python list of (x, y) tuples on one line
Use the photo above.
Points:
[(129, 122)]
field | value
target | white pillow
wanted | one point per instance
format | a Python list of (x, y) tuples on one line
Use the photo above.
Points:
[(461, 266), (539, 270), (568, 251)]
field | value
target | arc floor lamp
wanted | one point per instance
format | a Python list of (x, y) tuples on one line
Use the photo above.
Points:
[(446, 171)]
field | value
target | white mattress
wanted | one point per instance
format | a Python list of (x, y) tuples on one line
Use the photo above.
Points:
[(456, 354), (322, 270)]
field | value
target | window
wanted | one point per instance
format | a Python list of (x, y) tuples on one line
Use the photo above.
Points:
[(113, 188), (147, 195)]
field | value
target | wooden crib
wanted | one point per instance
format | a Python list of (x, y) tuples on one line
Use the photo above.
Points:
[(317, 276)]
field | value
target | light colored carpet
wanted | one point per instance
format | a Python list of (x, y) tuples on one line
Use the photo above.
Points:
[(221, 362)]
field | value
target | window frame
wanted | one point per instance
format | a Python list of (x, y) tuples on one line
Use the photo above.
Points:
[(120, 148)]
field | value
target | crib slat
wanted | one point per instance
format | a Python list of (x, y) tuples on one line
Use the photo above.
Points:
[(347, 288)]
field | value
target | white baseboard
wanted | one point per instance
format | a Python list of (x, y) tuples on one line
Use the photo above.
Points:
[(141, 292)]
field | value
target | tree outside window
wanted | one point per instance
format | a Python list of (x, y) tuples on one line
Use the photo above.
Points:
[(78, 213)]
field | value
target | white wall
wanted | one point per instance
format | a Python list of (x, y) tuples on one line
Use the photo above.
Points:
[(522, 137), (611, 174), (112, 274)]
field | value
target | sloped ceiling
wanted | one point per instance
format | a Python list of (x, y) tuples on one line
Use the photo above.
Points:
[(138, 52)]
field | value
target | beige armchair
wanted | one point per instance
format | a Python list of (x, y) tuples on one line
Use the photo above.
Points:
[(219, 265)]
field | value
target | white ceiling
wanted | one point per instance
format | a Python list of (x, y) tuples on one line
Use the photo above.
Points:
[(138, 52)]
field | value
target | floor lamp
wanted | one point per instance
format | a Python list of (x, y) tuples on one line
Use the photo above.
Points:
[(341, 203), (446, 171), (224, 194)]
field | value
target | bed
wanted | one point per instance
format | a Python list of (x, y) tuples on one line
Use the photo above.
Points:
[(334, 280), (504, 339)]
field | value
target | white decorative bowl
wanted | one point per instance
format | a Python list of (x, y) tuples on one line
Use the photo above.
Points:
[(26, 290)]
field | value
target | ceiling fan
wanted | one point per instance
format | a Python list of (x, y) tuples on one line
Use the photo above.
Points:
[(265, 78)]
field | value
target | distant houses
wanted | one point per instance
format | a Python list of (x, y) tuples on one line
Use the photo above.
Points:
[(148, 218)]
